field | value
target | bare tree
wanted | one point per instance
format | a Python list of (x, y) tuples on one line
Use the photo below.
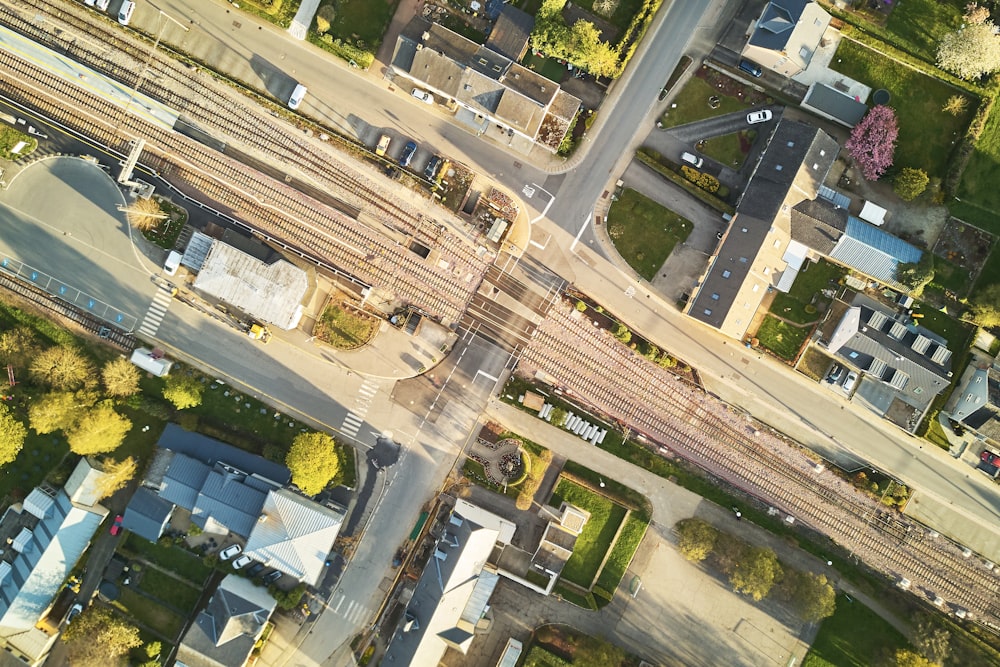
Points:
[(145, 214), (63, 367)]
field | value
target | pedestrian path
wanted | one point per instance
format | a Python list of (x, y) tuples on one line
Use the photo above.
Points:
[(303, 19), (156, 311), (356, 416), (352, 611)]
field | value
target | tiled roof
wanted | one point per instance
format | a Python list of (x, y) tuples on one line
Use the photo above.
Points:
[(777, 23), (818, 225), (228, 501), (873, 252), (224, 633), (511, 31)]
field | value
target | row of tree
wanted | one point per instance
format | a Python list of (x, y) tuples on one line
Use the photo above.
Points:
[(756, 571)]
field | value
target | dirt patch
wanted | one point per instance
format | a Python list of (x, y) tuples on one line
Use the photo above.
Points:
[(964, 245), (731, 87)]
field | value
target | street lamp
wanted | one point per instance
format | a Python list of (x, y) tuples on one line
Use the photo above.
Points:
[(600, 482), (149, 59)]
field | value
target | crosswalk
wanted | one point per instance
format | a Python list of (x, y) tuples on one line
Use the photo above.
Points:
[(156, 311), (352, 611), (356, 416)]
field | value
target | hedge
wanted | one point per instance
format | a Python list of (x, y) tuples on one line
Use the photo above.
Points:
[(646, 156)]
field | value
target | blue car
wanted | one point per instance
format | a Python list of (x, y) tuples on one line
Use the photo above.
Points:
[(408, 152), (751, 68)]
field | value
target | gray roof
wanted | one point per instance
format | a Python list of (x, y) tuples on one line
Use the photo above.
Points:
[(183, 480), (777, 23), (147, 514), (980, 398), (294, 535), (912, 360), (866, 248), (510, 33), (228, 501), (211, 451), (833, 103), (818, 224), (224, 633), (795, 162)]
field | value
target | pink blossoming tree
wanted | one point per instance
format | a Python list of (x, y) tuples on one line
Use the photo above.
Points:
[(873, 141)]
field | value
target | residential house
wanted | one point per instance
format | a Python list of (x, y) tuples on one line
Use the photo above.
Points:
[(42, 538), (147, 514), (978, 404), (786, 35), (224, 633), (511, 32), (485, 85)]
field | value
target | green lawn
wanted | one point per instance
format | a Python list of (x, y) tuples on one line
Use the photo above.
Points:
[(918, 25), (9, 138), (39, 455), (547, 67), (691, 104), (364, 20), (781, 338), (978, 190), (956, 332), (950, 276), (595, 540), (177, 560), (170, 590), (345, 328), (853, 637), (623, 551), (729, 149), (644, 233), (145, 611), (926, 134), (813, 277)]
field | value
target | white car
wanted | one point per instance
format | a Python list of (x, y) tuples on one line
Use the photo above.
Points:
[(761, 116), (852, 379), (692, 160), (423, 96), (241, 562), (296, 97), (103, 5), (74, 612), (230, 551), (125, 13)]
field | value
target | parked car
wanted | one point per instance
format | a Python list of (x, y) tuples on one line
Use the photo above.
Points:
[(761, 116), (103, 5), (272, 576), (751, 68), (692, 160), (383, 144), (852, 379), (297, 96), (422, 95), (116, 527), (989, 457), (241, 562), (125, 13), (835, 373), (409, 150), (74, 612), (230, 551), (255, 569), (431, 170)]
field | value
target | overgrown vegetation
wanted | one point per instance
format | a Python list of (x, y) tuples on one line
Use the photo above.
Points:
[(352, 29), (10, 139), (644, 232), (345, 327)]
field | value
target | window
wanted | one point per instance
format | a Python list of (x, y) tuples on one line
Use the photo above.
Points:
[(918, 390), (743, 260), (726, 273), (815, 166), (756, 288), (853, 355), (715, 296), (708, 311)]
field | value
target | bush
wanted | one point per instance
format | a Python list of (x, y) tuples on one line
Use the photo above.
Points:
[(910, 183)]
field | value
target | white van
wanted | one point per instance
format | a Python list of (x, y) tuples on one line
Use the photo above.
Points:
[(173, 263), (297, 95)]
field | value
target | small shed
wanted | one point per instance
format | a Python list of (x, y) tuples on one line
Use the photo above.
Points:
[(152, 361), (873, 213), (533, 401)]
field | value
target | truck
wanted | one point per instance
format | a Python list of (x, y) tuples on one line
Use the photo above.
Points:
[(258, 331)]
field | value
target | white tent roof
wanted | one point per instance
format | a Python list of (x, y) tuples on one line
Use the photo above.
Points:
[(873, 213)]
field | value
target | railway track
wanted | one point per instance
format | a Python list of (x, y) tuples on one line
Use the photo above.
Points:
[(596, 368)]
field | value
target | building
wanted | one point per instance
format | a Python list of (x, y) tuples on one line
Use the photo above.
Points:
[(786, 35), (451, 599), (751, 257), (978, 405), (42, 539), (834, 104), (484, 84), (224, 633), (511, 32), (147, 514), (902, 366)]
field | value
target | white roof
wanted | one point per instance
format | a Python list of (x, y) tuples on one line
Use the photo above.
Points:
[(873, 213), (476, 514), (81, 487), (272, 293)]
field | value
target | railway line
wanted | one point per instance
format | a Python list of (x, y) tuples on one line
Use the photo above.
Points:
[(595, 367)]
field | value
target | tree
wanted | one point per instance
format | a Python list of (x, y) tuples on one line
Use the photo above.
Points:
[(756, 573), (116, 475), (873, 141), (955, 105), (12, 435), (984, 308), (99, 637), (289, 599), (975, 14), (99, 430), (910, 183), (121, 378), (811, 594), (145, 214), (18, 346), (916, 275), (622, 333), (184, 391), (907, 658), (970, 52), (696, 539), (55, 411), (314, 462), (932, 642), (62, 367)]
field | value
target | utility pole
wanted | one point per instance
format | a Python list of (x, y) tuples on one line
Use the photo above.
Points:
[(149, 60)]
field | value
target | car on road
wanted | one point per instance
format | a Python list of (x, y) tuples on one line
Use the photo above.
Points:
[(852, 379), (422, 95), (242, 562), (73, 612), (272, 576), (116, 527), (835, 374), (230, 551), (751, 68), (409, 150), (383, 145), (125, 13), (692, 160), (761, 116), (295, 99)]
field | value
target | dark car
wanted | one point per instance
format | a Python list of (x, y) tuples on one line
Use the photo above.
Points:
[(409, 150), (255, 569), (751, 68), (835, 373), (116, 527), (431, 170), (272, 576)]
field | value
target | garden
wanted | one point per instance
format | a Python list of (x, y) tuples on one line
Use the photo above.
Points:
[(345, 327), (594, 542), (10, 139), (804, 302), (854, 636), (709, 93), (783, 339), (729, 149), (352, 29), (644, 232)]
